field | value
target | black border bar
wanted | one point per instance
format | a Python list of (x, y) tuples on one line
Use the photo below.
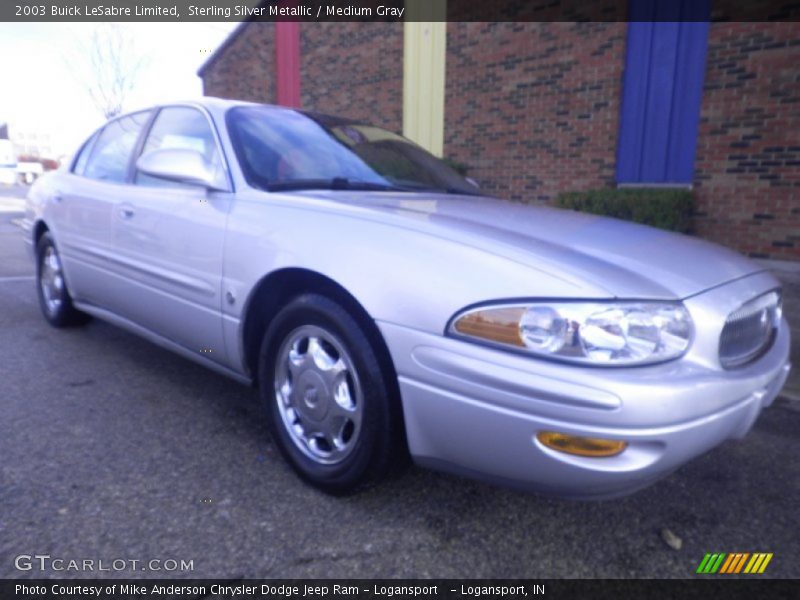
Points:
[(396, 10), (712, 586)]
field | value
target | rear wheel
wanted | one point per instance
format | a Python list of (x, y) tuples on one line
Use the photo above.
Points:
[(54, 298), (327, 398)]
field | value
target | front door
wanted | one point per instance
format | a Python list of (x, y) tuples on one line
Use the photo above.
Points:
[(167, 240)]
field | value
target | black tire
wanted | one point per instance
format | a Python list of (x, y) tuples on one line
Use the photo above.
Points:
[(373, 446), (55, 301)]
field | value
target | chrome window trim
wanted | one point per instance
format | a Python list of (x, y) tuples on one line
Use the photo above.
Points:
[(154, 112)]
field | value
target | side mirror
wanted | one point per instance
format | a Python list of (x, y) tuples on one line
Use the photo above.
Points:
[(181, 165)]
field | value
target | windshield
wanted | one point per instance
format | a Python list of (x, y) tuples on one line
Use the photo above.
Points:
[(288, 150)]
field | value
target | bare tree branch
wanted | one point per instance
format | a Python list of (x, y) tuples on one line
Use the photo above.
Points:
[(112, 67)]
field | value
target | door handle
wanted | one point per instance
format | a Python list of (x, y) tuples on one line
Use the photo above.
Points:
[(126, 212), (57, 198)]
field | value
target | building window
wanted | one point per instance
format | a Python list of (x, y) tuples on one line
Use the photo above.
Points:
[(662, 90)]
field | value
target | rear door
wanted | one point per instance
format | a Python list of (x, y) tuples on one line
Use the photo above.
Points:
[(167, 240), (81, 211)]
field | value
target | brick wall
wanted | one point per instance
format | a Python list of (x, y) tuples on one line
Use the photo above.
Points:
[(747, 172), (533, 108), (353, 70), (348, 69), (245, 69)]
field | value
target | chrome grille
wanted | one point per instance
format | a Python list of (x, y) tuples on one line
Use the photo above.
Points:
[(749, 330)]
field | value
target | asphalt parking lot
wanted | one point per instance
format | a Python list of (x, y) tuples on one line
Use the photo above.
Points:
[(113, 448)]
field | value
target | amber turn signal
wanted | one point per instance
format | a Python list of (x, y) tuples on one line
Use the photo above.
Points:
[(496, 325), (581, 446)]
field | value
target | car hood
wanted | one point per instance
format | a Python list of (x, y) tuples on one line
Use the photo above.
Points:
[(621, 258)]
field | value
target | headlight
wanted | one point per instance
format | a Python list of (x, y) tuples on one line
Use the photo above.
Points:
[(613, 333)]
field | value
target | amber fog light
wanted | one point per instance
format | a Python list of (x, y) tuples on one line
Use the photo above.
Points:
[(581, 446)]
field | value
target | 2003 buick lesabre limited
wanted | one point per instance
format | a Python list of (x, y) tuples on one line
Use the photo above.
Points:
[(382, 305)]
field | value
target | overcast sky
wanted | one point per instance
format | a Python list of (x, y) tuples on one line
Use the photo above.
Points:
[(40, 92)]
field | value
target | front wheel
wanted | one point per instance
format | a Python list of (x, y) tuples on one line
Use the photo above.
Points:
[(329, 403)]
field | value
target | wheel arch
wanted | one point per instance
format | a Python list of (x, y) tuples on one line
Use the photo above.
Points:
[(38, 230), (278, 288)]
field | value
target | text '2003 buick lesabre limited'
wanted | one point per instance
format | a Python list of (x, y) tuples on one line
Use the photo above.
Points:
[(384, 307)]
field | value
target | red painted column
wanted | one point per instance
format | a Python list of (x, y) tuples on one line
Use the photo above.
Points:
[(287, 63)]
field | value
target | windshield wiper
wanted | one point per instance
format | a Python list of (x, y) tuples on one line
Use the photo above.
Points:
[(410, 186), (344, 183), (336, 183), (461, 192)]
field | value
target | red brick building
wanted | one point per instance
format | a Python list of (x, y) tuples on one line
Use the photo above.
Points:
[(537, 108)]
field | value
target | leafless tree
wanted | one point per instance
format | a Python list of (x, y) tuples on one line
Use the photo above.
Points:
[(112, 66)]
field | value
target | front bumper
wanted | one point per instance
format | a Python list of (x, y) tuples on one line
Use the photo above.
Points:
[(476, 411)]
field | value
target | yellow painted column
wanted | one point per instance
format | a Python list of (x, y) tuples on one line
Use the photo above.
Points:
[(424, 52)]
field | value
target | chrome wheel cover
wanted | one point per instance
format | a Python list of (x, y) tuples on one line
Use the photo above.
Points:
[(318, 394), (51, 281)]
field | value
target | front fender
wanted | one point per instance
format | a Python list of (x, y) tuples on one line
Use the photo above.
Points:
[(399, 274)]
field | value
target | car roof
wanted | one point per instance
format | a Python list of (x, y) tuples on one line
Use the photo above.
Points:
[(214, 105), (217, 107)]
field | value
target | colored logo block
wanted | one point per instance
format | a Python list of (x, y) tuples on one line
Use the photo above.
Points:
[(722, 563)]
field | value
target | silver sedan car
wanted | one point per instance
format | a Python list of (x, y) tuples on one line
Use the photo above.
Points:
[(384, 307)]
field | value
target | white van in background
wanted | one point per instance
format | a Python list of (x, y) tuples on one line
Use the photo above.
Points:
[(8, 163)]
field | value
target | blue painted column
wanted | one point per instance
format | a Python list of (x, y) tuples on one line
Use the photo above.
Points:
[(662, 91)]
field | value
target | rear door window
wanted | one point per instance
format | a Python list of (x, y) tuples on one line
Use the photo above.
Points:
[(112, 151), (79, 166)]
